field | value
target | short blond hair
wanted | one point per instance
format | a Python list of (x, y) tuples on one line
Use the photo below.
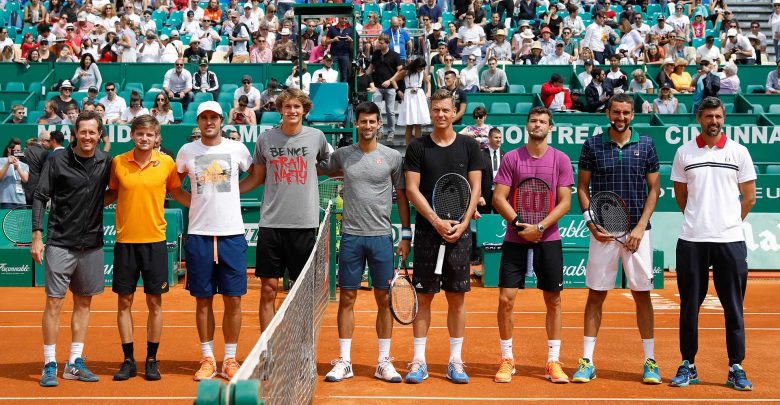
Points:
[(293, 93)]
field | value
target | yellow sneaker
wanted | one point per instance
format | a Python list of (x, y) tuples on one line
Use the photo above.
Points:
[(230, 367), (554, 372), (506, 369), (207, 370)]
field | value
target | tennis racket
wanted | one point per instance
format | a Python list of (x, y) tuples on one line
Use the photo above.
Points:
[(331, 188), (451, 197), (17, 225), (402, 296), (610, 214), (533, 201)]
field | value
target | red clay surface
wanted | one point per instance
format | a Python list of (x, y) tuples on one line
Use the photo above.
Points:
[(618, 355)]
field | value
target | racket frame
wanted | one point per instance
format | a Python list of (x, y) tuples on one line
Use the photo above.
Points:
[(7, 217), (442, 248), (402, 275), (517, 205)]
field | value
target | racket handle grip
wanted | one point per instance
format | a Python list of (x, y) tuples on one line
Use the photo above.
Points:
[(642, 265), (439, 260), (530, 264)]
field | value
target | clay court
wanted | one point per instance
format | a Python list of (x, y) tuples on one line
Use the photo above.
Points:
[(618, 353)]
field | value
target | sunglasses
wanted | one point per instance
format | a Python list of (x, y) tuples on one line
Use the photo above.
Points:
[(246, 82), (479, 117), (472, 60), (160, 99), (110, 89), (179, 64)]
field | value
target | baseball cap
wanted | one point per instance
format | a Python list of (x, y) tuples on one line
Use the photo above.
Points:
[(164, 37), (212, 106), (247, 5), (204, 62), (559, 42), (82, 16), (327, 57), (285, 31), (588, 62), (175, 33), (666, 86), (547, 30), (710, 38), (732, 32), (93, 88), (661, 17), (436, 26), (246, 77), (576, 91), (66, 85)]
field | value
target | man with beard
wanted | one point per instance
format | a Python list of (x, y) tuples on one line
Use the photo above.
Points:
[(624, 162), (370, 172), (535, 159), (715, 187)]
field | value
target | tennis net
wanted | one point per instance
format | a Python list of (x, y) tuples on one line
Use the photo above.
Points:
[(284, 360)]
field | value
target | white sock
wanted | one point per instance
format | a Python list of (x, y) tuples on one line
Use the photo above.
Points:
[(384, 349), (76, 350), (49, 353), (230, 350), (553, 350), (344, 348), (691, 366), (456, 345), (588, 344), (506, 348), (207, 348), (419, 349), (649, 347)]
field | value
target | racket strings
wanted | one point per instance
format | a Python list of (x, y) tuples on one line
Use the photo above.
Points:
[(533, 200), (611, 214), (329, 189), (451, 197), (17, 225), (403, 300)]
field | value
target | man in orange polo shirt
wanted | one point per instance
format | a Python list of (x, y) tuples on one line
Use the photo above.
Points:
[(139, 181)]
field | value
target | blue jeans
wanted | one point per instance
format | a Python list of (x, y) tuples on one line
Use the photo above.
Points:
[(343, 61)]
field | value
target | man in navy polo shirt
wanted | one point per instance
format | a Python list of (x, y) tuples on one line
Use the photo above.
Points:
[(340, 39), (715, 188), (624, 162)]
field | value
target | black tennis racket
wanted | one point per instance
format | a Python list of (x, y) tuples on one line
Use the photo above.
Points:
[(610, 214), (533, 201), (402, 296), (17, 225), (331, 188), (451, 197)]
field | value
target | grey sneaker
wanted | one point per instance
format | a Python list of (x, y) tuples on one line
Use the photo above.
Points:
[(78, 371), (49, 375)]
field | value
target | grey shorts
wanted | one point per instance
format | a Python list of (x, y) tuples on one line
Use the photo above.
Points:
[(79, 270)]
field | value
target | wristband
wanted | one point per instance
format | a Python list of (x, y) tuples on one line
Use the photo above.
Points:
[(406, 233), (518, 219), (586, 216)]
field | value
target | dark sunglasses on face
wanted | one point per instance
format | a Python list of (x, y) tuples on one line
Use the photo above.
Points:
[(246, 82)]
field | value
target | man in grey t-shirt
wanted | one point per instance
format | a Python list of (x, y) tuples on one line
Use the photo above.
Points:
[(370, 171), (493, 80), (286, 160)]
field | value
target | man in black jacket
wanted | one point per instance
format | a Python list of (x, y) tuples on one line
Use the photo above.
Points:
[(601, 89), (705, 84), (491, 158), (205, 80), (74, 181), (35, 156)]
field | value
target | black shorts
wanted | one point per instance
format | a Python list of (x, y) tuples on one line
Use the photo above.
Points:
[(456, 271), (548, 265), (147, 260), (280, 249)]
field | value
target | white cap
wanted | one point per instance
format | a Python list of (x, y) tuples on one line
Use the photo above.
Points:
[(66, 85), (175, 33), (285, 31), (247, 5), (732, 32), (212, 106), (163, 37)]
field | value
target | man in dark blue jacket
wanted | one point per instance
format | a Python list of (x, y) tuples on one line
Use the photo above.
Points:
[(601, 89)]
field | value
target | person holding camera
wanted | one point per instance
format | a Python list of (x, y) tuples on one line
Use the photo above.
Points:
[(339, 37), (150, 49), (739, 47), (13, 173), (326, 74)]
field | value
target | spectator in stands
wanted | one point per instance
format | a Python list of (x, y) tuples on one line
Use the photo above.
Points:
[(439, 76), (698, 27), (178, 84), (638, 24), (35, 13), (91, 98), (681, 79), (471, 37), (294, 79), (492, 27), (6, 53), (431, 10), (112, 104), (64, 98), (194, 53), (773, 79), (652, 55), (69, 11), (270, 21), (161, 110), (479, 130), (535, 57), (260, 51), (87, 74), (774, 23), (452, 40), (133, 110), (197, 12), (601, 89), (253, 95), (129, 13), (55, 10), (100, 109), (639, 83), (18, 114), (147, 24), (547, 42), (705, 84), (573, 21), (195, 135), (729, 22), (576, 100), (678, 49), (666, 103), (44, 33), (326, 74), (596, 36), (610, 15), (373, 27), (71, 113), (66, 55), (34, 55), (708, 51), (239, 40), (663, 30), (469, 75), (521, 43), (679, 21), (585, 76), (28, 43), (205, 81), (554, 95), (614, 71), (664, 75), (493, 80), (500, 48), (51, 114), (755, 42), (189, 25), (213, 12), (385, 62), (551, 20), (414, 112), (400, 40), (525, 10), (268, 96), (169, 52), (109, 47), (340, 38), (108, 17), (149, 49), (176, 39), (438, 58), (90, 47), (252, 23), (208, 37), (13, 174), (127, 40), (458, 95), (558, 57), (284, 48), (729, 82), (631, 41), (241, 114)]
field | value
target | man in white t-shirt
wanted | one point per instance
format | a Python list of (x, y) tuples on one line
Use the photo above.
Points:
[(215, 247), (679, 21), (207, 36), (739, 47), (197, 12), (239, 39), (471, 37), (169, 52), (149, 49), (663, 30), (249, 19), (708, 51), (715, 188), (114, 104), (251, 93), (326, 74)]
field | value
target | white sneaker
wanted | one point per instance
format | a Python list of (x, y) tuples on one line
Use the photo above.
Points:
[(386, 372), (341, 370)]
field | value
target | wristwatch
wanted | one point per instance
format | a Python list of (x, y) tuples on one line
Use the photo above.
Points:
[(540, 227)]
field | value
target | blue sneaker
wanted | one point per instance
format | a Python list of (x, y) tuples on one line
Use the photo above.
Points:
[(418, 371), (586, 371), (456, 373), (651, 374), (738, 380), (79, 371), (49, 375), (686, 375)]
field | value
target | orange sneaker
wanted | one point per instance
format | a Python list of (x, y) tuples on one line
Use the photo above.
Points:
[(207, 370), (554, 372), (229, 368), (506, 369)]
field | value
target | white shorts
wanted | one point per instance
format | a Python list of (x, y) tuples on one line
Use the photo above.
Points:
[(603, 265)]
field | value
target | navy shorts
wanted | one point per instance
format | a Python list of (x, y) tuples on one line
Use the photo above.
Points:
[(206, 277), (355, 251)]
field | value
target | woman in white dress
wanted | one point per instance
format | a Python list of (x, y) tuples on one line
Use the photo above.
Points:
[(414, 107)]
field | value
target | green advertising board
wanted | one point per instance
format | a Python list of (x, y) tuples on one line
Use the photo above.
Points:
[(16, 266)]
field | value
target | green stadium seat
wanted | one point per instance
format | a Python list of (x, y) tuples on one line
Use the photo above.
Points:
[(157, 86), (654, 8), (226, 107), (665, 170), (757, 169), (516, 88), (774, 109), (682, 109), (472, 105), (773, 169), (35, 87), (367, 8), (2, 106), (32, 116), (270, 118), (225, 98), (150, 96), (190, 117), (40, 105), (500, 108), (408, 8), (523, 108), (329, 102), (178, 111), (755, 88), (536, 89), (729, 107), (201, 97), (228, 88), (139, 87), (52, 94), (14, 86), (757, 109)]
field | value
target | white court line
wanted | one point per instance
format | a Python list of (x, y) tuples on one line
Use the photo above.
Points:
[(554, 399), (96, 398), (396, 326)]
